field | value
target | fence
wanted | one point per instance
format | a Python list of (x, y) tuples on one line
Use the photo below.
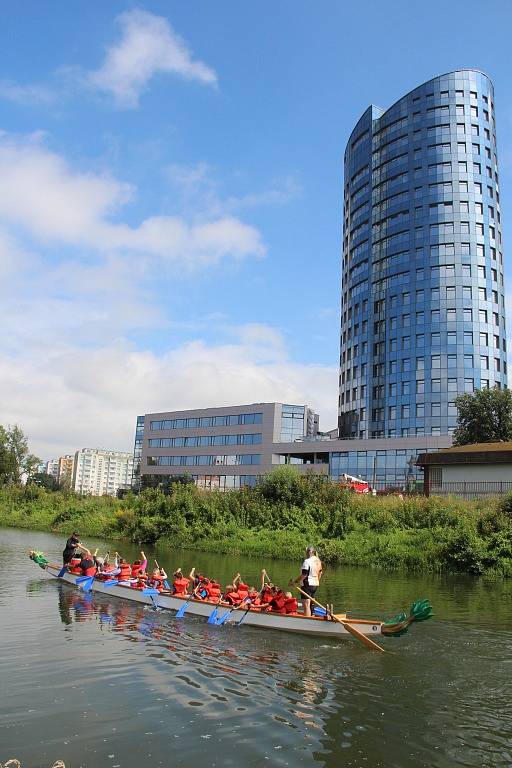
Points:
[(471, 490)]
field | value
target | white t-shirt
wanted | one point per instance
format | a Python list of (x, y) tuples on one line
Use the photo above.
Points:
[(313, 566)]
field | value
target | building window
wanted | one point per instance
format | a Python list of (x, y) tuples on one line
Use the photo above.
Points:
[(436, 476)]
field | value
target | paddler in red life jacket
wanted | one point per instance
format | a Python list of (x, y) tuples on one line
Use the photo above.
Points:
[(291, 605), (231, 596), (200, 584), (87, 566), (180, 583), (139, 566), (157, 578), (240, 586), (125, 570)]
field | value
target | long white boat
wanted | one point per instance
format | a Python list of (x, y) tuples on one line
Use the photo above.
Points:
[(328, 626)]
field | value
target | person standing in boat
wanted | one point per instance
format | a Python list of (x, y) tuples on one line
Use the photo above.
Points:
[(309, 579), (72, 544)]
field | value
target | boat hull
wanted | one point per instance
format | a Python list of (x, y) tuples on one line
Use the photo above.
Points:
[(317, 627)]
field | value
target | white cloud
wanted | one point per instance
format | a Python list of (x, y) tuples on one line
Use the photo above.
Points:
[(27, 95), (148, 46), (65, 397), (198, 188), (40, 192), (72, 375)]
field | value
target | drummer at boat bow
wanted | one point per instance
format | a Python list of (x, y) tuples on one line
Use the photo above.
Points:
[(70, 549), (309, 579)]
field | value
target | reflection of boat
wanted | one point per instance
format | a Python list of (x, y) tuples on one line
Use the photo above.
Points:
[(315, 625)]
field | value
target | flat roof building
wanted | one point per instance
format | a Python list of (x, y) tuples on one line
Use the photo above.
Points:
[(232, 446), (468, 471)]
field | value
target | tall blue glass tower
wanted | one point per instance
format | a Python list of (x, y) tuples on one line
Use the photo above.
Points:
[(423, 308)]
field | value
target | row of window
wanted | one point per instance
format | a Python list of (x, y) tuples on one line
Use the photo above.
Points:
[(451, 339), (437, 272), (436, 253), (208, 421), (464, 315), (199, 440), (418, 386), (435, 188), (193, 461), (224, 482), (411, 410)]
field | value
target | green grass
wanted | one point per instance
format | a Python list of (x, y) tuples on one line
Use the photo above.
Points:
[(280, 517)]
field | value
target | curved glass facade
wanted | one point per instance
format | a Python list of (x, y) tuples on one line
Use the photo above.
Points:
[(423, 308)]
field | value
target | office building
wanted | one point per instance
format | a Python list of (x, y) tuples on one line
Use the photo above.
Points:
[(98, 472), (229, 447), (423, 306)]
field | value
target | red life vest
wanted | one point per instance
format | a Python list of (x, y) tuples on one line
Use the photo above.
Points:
[(126, 571), (180, 585), (277, 604), (291, 605), (266, 595), (136, 567), (156, 582), (214, 591), (141, 582), (201, 591), (232, 597), (243, 589)]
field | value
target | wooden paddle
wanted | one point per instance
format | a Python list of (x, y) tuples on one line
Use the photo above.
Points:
[(353, 631)]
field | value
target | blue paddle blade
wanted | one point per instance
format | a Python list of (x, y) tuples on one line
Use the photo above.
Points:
[(180, 612), (110, 583), (317, 611), (223, 618), (81, 579), (62, 571), (86, 585), (150, 591), (166, 584), (212, 618)]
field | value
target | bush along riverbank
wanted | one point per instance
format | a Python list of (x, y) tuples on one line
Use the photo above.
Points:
[(283, 514)]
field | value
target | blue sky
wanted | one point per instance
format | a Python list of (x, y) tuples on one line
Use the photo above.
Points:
[(170, 195)]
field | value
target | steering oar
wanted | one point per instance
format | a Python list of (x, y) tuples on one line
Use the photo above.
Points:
[(353, 631)]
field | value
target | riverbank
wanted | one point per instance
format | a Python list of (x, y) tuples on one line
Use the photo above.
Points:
[(280, 517)]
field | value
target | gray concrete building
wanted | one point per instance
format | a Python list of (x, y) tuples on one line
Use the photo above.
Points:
[(229, 447)]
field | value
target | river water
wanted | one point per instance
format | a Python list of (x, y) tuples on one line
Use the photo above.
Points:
[(98, 682)]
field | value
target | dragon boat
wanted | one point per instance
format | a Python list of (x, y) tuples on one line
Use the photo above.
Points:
[(329, 625)]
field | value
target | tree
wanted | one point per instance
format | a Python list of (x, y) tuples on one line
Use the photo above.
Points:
[(15, 459), (164, 482), (43, 480), (485, 416)]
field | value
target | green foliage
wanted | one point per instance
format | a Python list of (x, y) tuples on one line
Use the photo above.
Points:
[(15, 459), (485, 416), (464, 550), (45, 481), (280, 517)]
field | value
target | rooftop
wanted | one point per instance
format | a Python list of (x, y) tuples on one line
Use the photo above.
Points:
[(476, 453)]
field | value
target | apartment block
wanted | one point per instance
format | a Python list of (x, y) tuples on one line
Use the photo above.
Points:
[(100, 472)]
